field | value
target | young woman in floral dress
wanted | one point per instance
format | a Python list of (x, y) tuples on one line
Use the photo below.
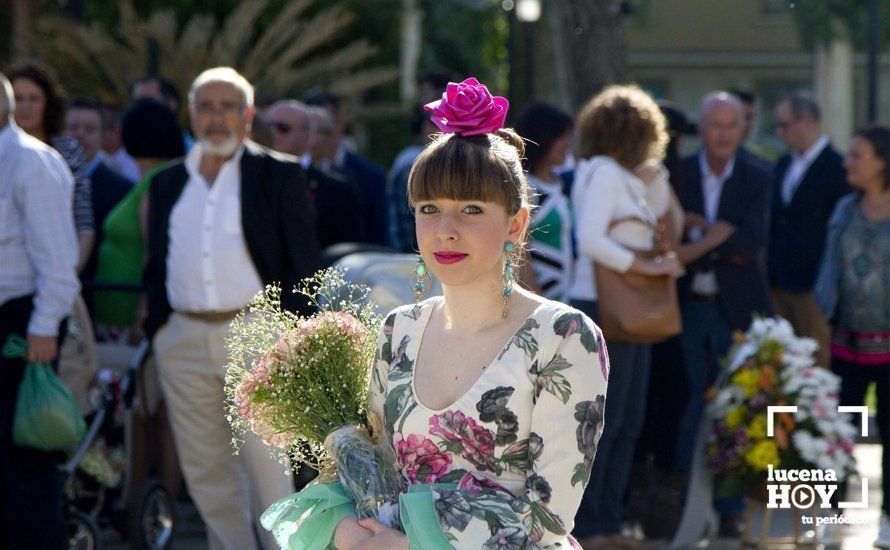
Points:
[(492, 397)]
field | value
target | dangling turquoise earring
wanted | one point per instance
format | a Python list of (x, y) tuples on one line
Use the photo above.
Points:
[(421, 279), (507, 278)]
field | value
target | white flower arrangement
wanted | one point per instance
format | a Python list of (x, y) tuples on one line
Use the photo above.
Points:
[(769, 365)]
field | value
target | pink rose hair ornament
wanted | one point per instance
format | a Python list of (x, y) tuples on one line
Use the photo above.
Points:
[(468, 109)]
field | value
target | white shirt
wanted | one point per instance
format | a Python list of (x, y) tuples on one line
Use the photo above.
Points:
[(605, 191), (38, 246), (799, 166), (121, 162), (209, 268), (705, 283)]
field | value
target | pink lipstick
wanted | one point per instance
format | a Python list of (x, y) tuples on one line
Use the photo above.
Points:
[(449, 257)]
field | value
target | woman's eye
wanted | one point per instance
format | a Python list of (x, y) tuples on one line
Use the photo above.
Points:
[(473, 209), (427, 209)]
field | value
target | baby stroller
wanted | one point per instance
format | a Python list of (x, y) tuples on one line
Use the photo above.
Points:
[(99, 488)]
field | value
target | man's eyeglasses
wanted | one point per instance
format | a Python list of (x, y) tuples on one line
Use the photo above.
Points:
[(226, 109)]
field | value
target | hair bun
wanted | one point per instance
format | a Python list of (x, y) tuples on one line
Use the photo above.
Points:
[(510, 136)]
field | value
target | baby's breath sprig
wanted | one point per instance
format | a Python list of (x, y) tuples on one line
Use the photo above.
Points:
[(293, 380)]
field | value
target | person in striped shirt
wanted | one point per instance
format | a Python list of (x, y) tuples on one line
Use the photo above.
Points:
[(548, 134)]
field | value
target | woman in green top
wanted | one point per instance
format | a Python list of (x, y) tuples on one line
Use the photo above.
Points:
[(548, 134), (152, 136)]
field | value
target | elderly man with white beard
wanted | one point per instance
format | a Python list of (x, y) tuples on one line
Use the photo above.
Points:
[(228, 219)]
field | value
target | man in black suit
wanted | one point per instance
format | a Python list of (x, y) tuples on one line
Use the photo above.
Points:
[(809, 181), (337, 200), (85, 123), (225, 221), (370, 177), (726, 199)]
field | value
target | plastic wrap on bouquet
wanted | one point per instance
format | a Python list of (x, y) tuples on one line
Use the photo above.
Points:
[(366, 474)]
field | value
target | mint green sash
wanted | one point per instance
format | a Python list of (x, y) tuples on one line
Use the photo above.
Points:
[(307, 520)]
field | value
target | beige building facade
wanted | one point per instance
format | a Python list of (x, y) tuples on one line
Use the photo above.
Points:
[(681, 49)]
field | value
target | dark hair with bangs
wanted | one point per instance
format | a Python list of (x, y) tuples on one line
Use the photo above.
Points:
[(484, 167)]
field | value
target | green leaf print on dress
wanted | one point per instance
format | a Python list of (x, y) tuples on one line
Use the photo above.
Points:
[(523, 339), (551, 380)]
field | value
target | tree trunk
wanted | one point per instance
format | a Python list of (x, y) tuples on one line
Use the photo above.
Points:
[(590, 45), (21, 30), (412, 42)]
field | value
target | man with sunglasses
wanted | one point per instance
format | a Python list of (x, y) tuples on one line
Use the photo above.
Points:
[(224, 222), (337, 199)]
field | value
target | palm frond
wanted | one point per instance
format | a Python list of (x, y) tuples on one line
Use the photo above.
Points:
[(236, 32), (362, 81), (289, 56), (322, 28), (319, 70)]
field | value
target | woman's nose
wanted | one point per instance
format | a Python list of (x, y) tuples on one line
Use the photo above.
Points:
[(447, 228)]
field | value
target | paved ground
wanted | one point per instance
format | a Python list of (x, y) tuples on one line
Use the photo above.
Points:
[(190, 530)]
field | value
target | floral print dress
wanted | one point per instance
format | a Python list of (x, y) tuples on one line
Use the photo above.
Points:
[(510, 458)]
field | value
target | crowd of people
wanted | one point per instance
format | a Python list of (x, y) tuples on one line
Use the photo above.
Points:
[(198, 221)]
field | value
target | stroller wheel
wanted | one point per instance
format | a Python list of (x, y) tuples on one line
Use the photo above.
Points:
[(82, 531), (150, 521)]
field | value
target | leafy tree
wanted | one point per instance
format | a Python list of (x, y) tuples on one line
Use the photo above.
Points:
[(822, 21)]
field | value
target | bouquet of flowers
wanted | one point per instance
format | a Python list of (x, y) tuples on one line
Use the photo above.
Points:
[(301, 385), (770, 366)]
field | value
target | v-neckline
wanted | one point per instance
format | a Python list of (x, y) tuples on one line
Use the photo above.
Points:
[(425, 321)]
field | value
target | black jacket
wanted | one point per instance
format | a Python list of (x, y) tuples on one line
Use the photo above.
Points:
[(739, 263), (338, 207), (276, 215), (798, 230), (371, 179)]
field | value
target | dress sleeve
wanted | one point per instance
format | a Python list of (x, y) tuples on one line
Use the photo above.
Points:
[(570, 391)]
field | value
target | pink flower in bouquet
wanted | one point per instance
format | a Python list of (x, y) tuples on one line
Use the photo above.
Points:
[(262, 370), (476, 442), (468, 109), (421, 459), (244, 396), (345, 323), (473, 483), (267, 434), (288, 345)]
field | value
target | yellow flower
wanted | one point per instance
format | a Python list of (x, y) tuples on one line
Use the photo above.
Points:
[(757, 428), (736, 417), (762, 454), (747, 379)]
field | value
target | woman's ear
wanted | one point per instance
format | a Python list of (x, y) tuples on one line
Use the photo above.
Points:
[(519, 224)]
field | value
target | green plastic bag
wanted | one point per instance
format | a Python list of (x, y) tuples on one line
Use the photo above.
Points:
[(46, 416)]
